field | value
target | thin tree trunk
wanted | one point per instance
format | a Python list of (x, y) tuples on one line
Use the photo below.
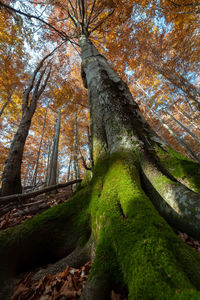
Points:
[(178, 81), (76, 162), (187, 116), (34, 180), (184, 127), (48, 164), (178, 139), (52, 176), (5, 104), (69, 168), (90, 148)]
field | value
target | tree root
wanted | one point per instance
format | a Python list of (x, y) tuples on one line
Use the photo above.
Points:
[(46, 237), (133, 244), (97, 289), (76, 259), (179, 205)]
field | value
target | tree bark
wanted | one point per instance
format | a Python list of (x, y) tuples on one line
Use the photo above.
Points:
[(5, 104), (69, 168), (184, 127), (117, 125), (76, 163), (177, 138), (186, 115), (34, 180), (54, 154)]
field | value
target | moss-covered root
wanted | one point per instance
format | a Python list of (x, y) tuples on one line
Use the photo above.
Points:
[(135, 245), (45, 238), (97, 289), (179, 205), (183, 169)]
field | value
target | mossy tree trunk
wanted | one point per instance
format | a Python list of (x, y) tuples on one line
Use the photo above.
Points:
[(131, 245)]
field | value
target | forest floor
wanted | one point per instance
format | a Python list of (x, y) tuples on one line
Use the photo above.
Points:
[(68, 283)]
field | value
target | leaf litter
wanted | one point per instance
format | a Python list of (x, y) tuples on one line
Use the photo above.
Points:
[(69, 283)]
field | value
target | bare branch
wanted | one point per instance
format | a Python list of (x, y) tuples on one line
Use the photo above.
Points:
[(62, 34), (32, 80), (184, 5), (91, 13), (102, 21)]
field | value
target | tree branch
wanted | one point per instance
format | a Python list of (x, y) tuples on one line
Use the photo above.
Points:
[(62, 34), (19, 197)]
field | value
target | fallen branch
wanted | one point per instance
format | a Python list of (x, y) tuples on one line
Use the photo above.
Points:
[(20, 197)]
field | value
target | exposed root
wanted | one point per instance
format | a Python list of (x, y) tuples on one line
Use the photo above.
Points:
[(97, 289), (179, 205), (76, 259)]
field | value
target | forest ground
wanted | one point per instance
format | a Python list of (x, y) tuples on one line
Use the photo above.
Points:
[(58, 280)]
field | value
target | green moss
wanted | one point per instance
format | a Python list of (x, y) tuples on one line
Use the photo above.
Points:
[(46, 237), (135, 245), (182, 168)]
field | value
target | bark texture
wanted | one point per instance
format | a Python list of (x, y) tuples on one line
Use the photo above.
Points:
[(34, 180), (52, 176)]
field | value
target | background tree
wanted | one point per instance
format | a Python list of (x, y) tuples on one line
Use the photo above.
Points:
[(11, 178)]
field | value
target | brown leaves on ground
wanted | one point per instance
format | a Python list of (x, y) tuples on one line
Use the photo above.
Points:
[(189, 241), (64, 285), (30, 207)]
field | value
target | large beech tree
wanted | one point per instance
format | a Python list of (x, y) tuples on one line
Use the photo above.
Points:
[(113, 218)]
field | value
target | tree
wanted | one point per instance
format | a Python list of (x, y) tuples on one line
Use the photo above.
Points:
[(75, 158), (11, 178), (34, 180), (112, 219), (52, 176)]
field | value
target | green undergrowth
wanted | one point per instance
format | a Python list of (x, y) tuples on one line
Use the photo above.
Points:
[(46, 237), (182, 168), (134, 243)]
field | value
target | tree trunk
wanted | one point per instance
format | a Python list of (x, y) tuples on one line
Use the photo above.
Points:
[(69, 168), (34, 180), (184, 127), (11, 178), (90, 149), (177, 138), (54, 154), (131, 245), (186, 115), (5, 104), (48, 163), (76, 162), (180, 82)]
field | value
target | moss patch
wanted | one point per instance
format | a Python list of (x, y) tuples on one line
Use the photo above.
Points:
[(134, 244), (46, 237), (182, 168)]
